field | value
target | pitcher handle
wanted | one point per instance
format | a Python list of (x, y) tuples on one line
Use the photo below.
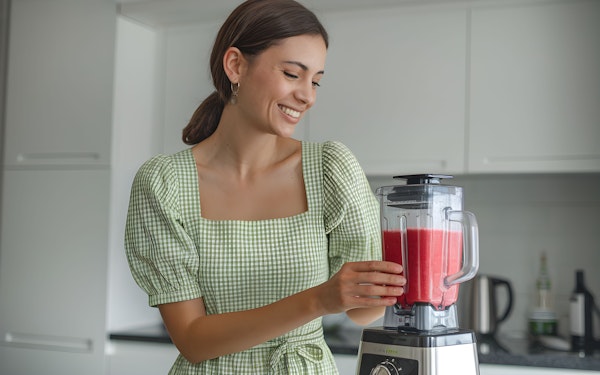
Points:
[(497, 282), (470, 247)]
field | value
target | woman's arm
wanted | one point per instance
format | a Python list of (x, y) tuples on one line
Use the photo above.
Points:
[(358, 286), (366, 315)]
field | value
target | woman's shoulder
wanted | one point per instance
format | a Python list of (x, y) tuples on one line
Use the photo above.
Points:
[(338, 158), (154, 167), (159, 170), (162, 162), (332, 150)]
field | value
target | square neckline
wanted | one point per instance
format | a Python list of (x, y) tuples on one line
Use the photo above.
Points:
[(299, 215)]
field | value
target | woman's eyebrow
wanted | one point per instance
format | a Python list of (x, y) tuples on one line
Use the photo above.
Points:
[(302, 66)]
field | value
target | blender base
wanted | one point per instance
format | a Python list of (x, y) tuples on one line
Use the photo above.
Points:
[(389, 351)]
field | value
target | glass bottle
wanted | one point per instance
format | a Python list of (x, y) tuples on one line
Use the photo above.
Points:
[(543, 286), (581, 304)]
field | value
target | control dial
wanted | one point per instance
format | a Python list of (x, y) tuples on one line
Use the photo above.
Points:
[(386, 367)]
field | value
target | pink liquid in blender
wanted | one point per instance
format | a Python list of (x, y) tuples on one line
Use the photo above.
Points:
[(425, 271)]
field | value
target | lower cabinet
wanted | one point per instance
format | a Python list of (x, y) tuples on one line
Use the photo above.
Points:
[(145, 358), (346, 363), (140, 358), (31, 359), (524, 370), (53, 259)]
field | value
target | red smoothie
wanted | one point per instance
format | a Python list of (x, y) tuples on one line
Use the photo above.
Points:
[(426, 270)]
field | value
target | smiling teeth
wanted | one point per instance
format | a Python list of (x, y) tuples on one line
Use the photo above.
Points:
[(290, 112)]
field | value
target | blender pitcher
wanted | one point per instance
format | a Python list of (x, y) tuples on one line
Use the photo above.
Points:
[(425, 229)]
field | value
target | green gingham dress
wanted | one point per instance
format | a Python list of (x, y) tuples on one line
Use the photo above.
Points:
[(175, 254)]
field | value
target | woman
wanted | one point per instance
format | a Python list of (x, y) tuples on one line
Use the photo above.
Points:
[(246, 239)]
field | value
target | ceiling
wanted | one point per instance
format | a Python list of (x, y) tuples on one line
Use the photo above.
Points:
[(164, 13)]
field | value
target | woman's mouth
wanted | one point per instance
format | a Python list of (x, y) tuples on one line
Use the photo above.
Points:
[(290, 112)]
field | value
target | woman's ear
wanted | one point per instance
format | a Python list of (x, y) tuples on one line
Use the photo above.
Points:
[(233, 64)]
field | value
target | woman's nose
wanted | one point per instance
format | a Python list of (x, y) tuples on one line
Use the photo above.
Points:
[(306, 93)]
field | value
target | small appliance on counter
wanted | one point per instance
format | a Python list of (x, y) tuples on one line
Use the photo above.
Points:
[(480, 310), (425, 229)]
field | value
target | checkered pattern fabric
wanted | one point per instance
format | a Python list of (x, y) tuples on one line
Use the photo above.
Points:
[(175, 254)]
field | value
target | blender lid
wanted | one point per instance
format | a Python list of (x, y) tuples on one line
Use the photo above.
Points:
[(419, 179), (417, 192)]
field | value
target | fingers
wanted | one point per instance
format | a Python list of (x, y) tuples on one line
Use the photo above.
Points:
[(365, 284), (374, 279), (371, 291), (376, 266), (377, 272)]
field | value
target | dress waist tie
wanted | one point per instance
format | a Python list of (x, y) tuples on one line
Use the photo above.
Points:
[(307, 346)]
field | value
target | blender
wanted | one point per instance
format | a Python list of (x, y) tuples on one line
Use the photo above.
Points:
[(425, 229)]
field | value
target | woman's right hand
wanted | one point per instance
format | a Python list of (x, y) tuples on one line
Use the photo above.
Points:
[(362, 285)]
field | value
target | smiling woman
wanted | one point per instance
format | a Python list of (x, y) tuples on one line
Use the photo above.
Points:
[(246, 239)]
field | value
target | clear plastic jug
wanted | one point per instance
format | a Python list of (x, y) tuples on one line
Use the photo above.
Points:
[(425, 229)]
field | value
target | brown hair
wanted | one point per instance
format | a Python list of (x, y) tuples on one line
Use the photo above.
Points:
[(252, 27)]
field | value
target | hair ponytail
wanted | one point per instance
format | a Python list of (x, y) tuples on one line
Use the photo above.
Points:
[(204, 121)]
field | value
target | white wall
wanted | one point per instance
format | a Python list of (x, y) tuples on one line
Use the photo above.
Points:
[(137, 135)]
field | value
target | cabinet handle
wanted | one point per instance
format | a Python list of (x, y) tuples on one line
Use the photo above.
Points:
[(58, 157), (47, 342)]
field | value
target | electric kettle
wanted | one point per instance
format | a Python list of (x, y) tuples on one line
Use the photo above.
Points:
[(479, 304)]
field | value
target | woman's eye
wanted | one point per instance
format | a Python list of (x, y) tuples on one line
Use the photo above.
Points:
[(316, 84), (290, 75)]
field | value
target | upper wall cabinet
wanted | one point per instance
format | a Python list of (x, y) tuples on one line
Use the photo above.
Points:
[(59, 84), (535, 88), (394, 89)]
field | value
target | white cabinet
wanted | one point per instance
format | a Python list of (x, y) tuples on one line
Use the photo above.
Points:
[(486, 369), (56, 187), (53, 272), (346, 364), (139, 358), (535, 88), (59, 83), (394, 89)]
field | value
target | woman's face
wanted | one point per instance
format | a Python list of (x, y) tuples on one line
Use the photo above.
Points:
[(280, 84)]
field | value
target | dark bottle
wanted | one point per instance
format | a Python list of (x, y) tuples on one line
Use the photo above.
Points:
[(582, 302)]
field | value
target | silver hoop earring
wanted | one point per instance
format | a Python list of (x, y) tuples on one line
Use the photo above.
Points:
[(235, 89)]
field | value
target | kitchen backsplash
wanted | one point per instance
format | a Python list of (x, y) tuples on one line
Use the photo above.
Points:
[(519, 217)]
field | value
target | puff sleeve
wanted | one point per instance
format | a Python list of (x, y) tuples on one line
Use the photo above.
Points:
[(351, 212), (161, 255)]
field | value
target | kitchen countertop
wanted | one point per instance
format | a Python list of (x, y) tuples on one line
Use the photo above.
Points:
[(503, 351)]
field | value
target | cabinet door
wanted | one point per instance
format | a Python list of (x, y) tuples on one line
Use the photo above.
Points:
[(139, 358), (535, 88), (53, 257), (485, 369), (346, 364), (59, 83), (394, 89)]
